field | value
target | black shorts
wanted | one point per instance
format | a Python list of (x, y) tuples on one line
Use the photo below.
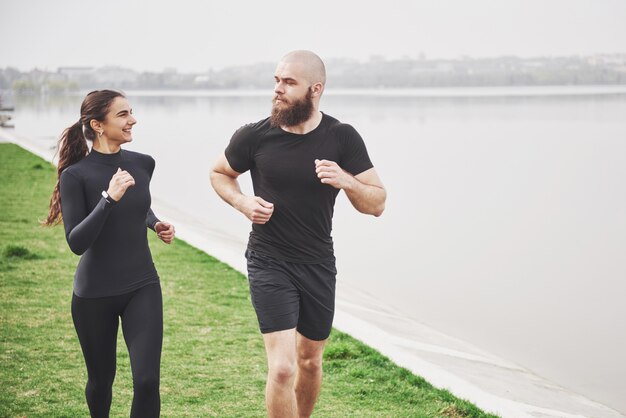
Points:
[(289, 295)]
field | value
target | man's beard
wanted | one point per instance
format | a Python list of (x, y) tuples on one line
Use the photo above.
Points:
[(293, 114)]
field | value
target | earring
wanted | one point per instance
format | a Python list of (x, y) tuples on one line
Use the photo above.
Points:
[(100, 133)]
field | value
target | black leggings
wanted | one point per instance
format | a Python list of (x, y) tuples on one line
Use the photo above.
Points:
[(96, 321)]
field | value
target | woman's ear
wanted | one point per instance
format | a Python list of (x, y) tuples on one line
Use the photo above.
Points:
[(95, 125)]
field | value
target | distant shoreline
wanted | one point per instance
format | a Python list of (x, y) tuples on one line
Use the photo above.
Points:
[(416, 92), (378, 72)]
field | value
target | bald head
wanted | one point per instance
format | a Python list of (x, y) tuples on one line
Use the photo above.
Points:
[(312, 66)]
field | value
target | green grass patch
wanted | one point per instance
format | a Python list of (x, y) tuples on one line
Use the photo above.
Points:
[(17, 251), (213, 362)]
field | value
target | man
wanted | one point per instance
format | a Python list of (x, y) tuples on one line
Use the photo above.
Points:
[(299, 160)]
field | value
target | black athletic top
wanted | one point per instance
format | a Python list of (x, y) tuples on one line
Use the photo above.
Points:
[(282, 166), (110, 236)]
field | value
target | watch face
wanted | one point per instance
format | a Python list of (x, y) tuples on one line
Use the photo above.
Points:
[(106, 196)]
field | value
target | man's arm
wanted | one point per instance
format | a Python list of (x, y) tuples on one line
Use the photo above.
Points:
[(224, 181), (365, 190)]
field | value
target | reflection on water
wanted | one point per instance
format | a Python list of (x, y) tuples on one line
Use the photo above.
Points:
[(505, 221)]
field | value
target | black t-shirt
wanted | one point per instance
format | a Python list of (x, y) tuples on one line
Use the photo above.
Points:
[(111, 237), (282, 166)]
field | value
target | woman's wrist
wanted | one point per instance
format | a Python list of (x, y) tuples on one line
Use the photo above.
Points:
[(107, 196)]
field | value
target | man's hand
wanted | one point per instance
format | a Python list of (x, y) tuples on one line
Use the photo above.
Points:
[(255, 208), (330, 173), (365, 190)]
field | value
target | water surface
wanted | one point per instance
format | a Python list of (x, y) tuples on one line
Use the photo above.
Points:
[(505, 224)]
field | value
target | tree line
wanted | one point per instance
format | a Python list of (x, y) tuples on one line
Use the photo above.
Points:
[(343, 73)]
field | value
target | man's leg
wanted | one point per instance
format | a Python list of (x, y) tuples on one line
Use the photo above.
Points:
[(309, 373), (280, 397)]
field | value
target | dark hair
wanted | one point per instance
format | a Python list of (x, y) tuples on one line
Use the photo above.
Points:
[(72, 145)]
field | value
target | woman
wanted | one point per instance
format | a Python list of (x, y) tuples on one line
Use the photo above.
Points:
[(103, 198)]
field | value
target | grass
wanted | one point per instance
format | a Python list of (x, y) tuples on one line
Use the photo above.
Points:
[(213, 362)]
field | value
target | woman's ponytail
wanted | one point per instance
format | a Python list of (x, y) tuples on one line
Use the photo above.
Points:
[(72, 148)]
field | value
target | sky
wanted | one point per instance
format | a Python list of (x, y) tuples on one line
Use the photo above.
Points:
[(195, 36)]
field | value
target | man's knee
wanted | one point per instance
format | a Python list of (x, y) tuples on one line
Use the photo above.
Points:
[(282, 372), (310, 364)]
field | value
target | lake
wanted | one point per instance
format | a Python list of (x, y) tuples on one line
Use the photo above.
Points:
[(506, 217)]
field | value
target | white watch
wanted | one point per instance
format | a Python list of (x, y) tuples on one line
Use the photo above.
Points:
[(108, 198)]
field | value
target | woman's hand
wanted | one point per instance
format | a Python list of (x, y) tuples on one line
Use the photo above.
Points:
[(120, 182), (165, 231)]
